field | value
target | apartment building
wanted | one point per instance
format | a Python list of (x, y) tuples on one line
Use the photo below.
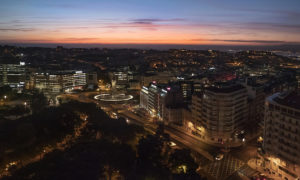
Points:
[(282, 135), (219, 113)]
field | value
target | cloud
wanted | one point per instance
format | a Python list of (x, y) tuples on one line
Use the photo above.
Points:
[(152, 20), (80, 39), (247, 41), (17, 29), (251, 41), (279, 27)]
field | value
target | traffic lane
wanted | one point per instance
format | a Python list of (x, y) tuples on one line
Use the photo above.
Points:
[(197, 142), (190, 144), (187, 140), (246, 152), (179, 140)]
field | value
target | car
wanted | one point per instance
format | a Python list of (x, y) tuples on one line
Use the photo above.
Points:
[(219, 157), (172, 144)]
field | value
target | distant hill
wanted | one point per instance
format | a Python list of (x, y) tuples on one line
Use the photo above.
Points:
[(282, 47)]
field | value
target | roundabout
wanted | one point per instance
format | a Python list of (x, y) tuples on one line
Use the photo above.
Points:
[(113, 97)]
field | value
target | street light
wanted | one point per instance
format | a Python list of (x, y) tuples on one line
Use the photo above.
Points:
[(5, 96)]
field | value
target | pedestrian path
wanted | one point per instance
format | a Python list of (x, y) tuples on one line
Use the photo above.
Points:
[(253, 163)]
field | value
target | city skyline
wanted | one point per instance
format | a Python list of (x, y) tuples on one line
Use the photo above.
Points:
[(151, 22)]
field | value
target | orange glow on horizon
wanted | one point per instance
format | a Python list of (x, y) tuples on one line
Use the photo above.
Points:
[(143, 34)]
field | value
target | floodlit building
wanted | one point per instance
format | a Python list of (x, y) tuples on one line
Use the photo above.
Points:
[(54, 83), (163, 102), (144, 98), (282, 135), (219, 113), (73, 80)]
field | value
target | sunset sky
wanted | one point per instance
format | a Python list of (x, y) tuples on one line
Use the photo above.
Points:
[(224, 22)]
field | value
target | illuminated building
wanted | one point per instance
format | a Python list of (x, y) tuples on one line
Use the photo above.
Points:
[(121, 78), (91, 79), (153, 99), (282, 134), (158, 77), (162, 101), (187, 89), (13, 75), (219, 113), (73, 80), (298, 79), (54, 83), (144, 98)]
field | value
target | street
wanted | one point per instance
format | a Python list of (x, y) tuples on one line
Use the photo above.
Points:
[(234, 164)]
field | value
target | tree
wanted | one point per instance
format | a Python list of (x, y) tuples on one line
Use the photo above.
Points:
[(6, 91), (118, 158), (181, 161), (38, 102), (165, 138), (19, 110), (84, 160), (150, 159)]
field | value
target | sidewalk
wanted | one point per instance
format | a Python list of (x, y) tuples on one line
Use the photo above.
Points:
[(257, 165)]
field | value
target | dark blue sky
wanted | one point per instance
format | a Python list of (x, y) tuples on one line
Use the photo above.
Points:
[(150, 21)]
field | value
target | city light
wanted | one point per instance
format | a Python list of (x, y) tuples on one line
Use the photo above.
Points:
[(196, 89)]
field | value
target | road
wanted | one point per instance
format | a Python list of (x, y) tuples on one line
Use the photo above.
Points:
[(232, 166), (229, 168)]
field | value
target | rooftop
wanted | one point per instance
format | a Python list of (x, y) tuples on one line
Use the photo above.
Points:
[(291, 99), (225, 89)]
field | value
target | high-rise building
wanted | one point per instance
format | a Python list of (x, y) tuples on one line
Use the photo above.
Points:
[(219, 113), (187, 89), (144, 98), (153, 96), (162, 101), (282, 134)]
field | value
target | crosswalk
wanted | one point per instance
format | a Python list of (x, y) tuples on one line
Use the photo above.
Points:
[(248, 171), (224, 168)]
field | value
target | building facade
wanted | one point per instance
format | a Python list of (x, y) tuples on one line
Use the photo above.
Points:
[(282, 135), (13, 75), (219, 113), (162, 102), (54, 83)]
